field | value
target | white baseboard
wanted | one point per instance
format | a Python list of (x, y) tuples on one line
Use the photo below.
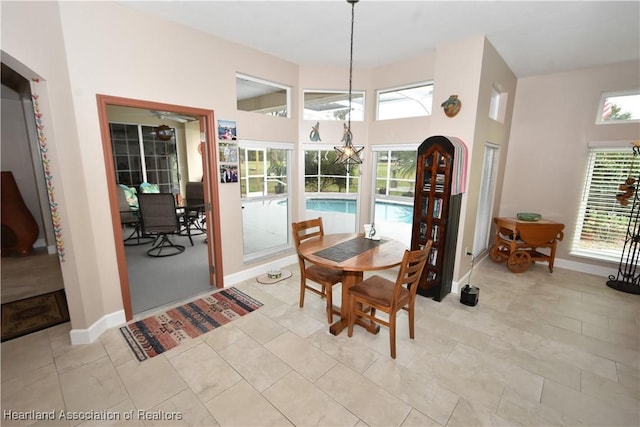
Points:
[(585, 267), (42, 243), (559, 263), (256, 271), (89, 335), (455, 286)]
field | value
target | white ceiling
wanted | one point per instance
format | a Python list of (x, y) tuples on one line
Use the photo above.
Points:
[(533, 37)]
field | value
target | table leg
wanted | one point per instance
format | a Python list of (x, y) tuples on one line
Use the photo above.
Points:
[(350, 278)]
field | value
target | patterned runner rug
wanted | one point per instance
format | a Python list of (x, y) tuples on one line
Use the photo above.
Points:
[(163, 331)]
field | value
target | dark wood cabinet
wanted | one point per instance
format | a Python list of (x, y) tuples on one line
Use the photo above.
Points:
[(436, 213)]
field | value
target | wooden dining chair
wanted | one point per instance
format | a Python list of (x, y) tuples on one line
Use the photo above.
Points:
[(325, 277), (378, 293)]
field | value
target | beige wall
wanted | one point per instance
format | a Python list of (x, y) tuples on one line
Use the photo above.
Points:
[(494, 74), (553, 121), (200, 73), (470, 69), (412, 130), (458, 72)]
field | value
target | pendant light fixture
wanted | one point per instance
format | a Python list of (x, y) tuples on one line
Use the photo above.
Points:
[(348, 154)]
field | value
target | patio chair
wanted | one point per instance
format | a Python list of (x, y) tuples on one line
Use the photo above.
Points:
[(130, 218), (194, 213), (159, 218)]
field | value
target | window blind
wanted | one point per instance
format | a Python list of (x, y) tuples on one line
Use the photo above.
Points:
[(602, 220)]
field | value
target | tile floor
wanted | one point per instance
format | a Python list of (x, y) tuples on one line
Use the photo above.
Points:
[(540, 349)]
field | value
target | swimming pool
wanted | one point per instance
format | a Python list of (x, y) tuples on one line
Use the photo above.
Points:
[(332, 205), (384, 211)]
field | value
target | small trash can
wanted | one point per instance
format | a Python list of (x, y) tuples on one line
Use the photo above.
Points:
[(469, 295)]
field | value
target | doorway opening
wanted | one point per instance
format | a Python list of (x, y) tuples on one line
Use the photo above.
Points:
[(38, 271), (148, 282)]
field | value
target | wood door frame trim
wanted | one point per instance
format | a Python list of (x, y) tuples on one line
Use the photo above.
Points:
[(214, 229)]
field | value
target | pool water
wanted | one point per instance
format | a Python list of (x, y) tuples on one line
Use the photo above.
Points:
[(384, 211), (332, 205), (393, 212)]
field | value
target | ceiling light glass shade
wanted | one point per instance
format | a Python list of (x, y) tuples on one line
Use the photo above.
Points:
[(348, 154)]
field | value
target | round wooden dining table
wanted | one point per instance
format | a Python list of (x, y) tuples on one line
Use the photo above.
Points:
[(352, 254)]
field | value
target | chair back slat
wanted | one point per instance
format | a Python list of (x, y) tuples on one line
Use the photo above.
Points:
[(413, 263), (304, 230)]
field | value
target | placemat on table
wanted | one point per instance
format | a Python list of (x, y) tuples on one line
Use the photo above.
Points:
[(348, 249)]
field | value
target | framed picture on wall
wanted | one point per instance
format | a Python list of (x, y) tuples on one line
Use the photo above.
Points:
[(228, 173), (227, 130), (228, 152)]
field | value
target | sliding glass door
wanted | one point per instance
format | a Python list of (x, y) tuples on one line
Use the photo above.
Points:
[(264, 187)]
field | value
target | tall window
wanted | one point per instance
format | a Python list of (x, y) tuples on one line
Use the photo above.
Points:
[(264, 187), (406, 101), (485, 200), (140, 156), (395, 176), (602, 219), (330, 191)]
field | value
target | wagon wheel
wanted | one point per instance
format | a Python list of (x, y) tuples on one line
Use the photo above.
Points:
[(519, 261), (498, 253)]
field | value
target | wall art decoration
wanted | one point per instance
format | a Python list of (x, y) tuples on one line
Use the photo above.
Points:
[(228, 173), (228, 152), (314, 135), (227, 130), (451, 106), (44, 150)]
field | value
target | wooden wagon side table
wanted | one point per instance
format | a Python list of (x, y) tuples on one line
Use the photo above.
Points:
[(517, 242)]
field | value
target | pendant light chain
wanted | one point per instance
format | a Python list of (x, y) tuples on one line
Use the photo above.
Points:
[(353, 6), (348, 154)]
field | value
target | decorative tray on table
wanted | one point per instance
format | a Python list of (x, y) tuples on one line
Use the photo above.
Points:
[(524, 216)]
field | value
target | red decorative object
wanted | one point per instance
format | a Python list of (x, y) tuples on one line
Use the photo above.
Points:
[(19, 228)]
